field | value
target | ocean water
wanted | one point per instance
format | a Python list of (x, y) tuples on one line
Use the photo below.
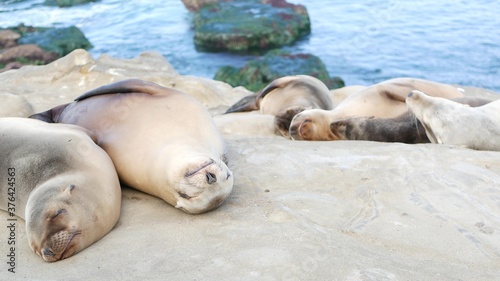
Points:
[(365, 42)]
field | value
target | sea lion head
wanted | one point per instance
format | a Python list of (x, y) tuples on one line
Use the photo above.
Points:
[(312, 124), (54, 223), (205, 182), (421, 105)]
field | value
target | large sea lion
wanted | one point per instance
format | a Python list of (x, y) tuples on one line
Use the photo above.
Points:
[(448, 122), (285, 97), (60, 182), (382, 100), (405, 128), (162, 141)]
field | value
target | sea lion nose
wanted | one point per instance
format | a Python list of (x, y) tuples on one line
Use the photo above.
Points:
[(211, 178), (410, 94), (47, 252)]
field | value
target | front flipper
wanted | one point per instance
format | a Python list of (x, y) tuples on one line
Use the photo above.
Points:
[(127, 86), (247, 103)]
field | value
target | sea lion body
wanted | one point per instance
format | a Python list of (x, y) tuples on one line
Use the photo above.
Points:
[(383, 100), (162, 141), (60, 182), (448, 122), (286, 96)]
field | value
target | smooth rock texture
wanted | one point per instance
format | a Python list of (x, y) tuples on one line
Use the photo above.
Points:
[(341, 210)]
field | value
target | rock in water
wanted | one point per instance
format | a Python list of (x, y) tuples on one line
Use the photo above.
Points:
[(249, 26)]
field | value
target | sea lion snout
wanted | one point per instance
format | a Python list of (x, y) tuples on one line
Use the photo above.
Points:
[(211, 178)]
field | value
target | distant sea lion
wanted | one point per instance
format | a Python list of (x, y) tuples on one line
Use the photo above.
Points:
[(285, 97), (448, 122), (404, 128), (60, 182), (383, 100), (162, 141)]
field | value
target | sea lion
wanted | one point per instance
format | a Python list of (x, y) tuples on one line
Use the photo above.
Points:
[(60, 182), (286, 96), (382, 100), (448, 122), (162, 141), (404, 128)]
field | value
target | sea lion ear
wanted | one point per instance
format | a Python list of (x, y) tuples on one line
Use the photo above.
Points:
[(68, 189)]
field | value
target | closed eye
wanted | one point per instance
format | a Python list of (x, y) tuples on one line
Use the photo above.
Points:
[(58, 212)]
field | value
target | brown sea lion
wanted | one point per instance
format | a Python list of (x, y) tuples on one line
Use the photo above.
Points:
[(286, 96)]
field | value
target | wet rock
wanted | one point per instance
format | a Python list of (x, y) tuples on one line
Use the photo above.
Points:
[(8, 38), (66, 3), (249, 26), (17, 56), (195, 5), (58, 40), (259, 72)]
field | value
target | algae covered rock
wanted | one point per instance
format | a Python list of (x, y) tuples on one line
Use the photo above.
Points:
[(257, 73), (249, 26), (66, 3), (58, 40)]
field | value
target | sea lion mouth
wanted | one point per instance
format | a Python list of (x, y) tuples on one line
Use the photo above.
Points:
[(48, 254)]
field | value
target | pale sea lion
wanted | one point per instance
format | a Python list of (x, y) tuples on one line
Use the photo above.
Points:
[(404, 128), (60, 182), (447, 122), (162, 141), (382, 100), (285, 97)]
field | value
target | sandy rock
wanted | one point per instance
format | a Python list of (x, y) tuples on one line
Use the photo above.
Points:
[(12, 105), (342, 210)]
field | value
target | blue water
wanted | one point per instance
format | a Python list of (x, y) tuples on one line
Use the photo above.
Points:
[(449, 41)]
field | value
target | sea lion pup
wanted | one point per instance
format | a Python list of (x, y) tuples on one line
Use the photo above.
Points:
[(447, 122), (405, 128), (162, 141), (286, 96), (382, 100), (60, 182)]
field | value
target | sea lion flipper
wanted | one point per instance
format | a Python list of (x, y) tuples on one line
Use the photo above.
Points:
[(247, 103), (45, 116), (126, 86), (51, 115)]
